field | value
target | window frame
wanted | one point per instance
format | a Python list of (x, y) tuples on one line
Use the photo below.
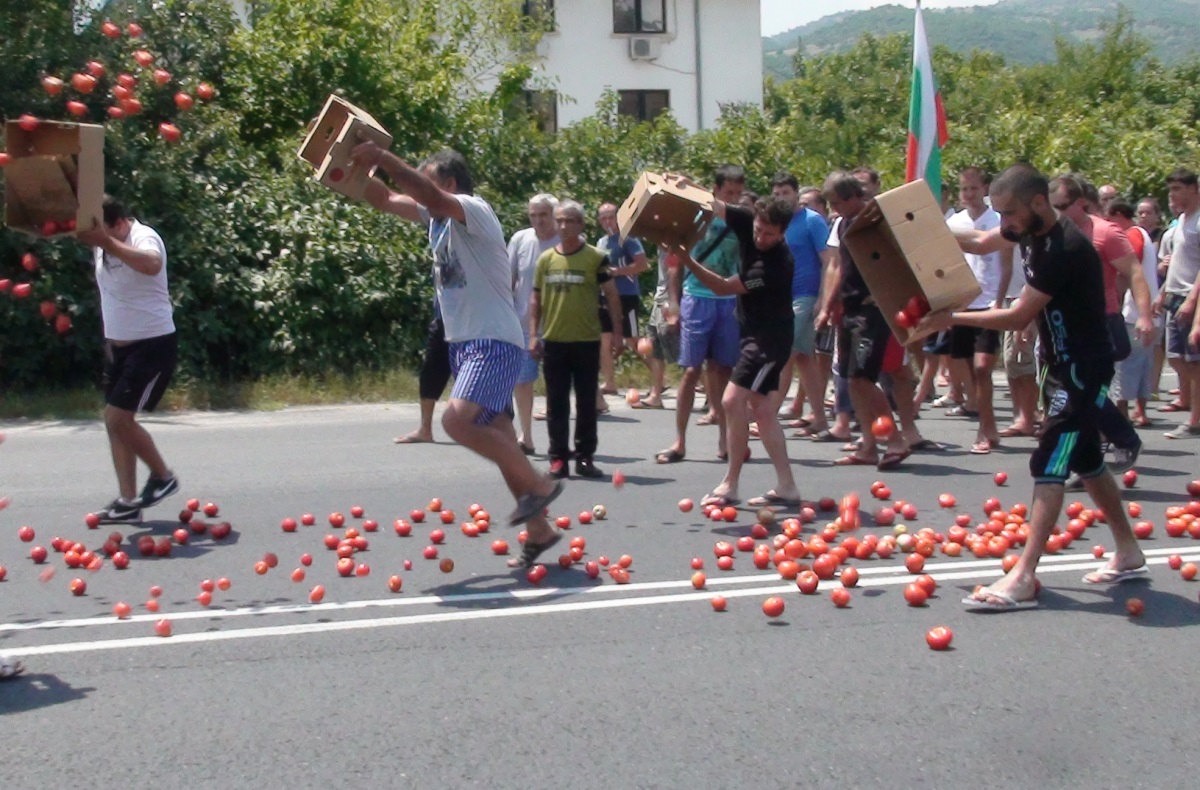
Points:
[(639, 22)]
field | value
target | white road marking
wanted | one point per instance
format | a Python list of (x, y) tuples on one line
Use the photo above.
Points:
[(1053, 564), (527, 594)]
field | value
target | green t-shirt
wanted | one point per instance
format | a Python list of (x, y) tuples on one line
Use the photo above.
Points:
[(566, 285), (725, 260)]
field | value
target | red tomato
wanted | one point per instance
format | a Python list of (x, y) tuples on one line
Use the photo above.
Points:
[(939, 637), (773, 606), (915, 594), (718, 604)]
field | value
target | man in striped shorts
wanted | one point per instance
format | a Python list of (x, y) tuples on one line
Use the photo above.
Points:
[(473, 280)]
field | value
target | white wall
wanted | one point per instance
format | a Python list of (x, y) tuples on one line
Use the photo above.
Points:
[(583, 58)]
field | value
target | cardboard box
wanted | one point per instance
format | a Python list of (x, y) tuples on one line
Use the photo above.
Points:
[(56, 175), (903, 248), (664, 210), (339, 128)]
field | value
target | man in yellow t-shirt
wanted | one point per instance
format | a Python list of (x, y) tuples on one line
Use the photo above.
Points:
[(564, 332)]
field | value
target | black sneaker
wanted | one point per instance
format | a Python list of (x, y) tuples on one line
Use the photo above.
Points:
[(558, 469), (156, 490), (120, 512), (586, 467)]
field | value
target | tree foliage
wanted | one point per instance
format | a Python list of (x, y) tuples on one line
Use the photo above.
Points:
[(271, 272)]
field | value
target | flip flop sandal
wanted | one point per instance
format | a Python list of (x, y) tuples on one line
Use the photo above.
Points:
[(1011, 432), (1007, 602), (854, 460), (530, 552), (10, 668), (771, 499), (850, 447), (1143, 422), (608, 391), (892, 460), (1172, 406), (1108, 575), (532, 505), (826, 436), (959, 411), (410, 439), (668, 457), (706, 420), (983, 448), (720, 500), (644, 405), (925, 444), (800, 423)]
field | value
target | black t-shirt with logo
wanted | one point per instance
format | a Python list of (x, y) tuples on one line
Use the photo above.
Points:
[(1065, 266), (765, 310)]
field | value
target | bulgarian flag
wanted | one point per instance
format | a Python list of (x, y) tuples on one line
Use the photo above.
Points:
[(926, 117)]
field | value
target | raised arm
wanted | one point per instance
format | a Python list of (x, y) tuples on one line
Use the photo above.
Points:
[(412, 182), (143, 261), (721, 286)]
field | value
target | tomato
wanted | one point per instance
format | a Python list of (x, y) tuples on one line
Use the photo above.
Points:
[(849, 577), (840, 597), (686, 505), (773, 606), (163, 628), (939, 637), (205, 91), (927, 583), (808, 582), (1135, 607), (883, 427), (499, 547), (317, 594), (915, 594), (914, 562), (699, 580), (1188, 571), (947, 500), (718, 604)]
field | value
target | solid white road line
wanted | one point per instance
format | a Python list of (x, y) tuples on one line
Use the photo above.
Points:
[(1063, 565), (937, 569)]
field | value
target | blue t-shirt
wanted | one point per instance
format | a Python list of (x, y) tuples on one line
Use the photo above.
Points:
[(621, 254), (806, 236)]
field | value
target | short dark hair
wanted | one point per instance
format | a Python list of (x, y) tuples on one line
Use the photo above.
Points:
[(1022, 181), (752, 197), (785, 179), (1181, 175), (732, 173), (984, 176), (843, 185), (448, 163), (1090, 193), (869, 172), (113, 210), (776, 211), (1120, 206), (1072, 185)]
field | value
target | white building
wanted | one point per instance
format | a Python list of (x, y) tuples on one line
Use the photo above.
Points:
[(689, 56)]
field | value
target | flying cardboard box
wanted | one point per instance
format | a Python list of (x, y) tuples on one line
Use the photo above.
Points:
[(903, 248), (339, 128), (54, 182), (666, 209)]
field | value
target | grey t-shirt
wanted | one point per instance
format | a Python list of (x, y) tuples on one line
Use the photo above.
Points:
[(472, 275), (1185, 256), (524, 249)]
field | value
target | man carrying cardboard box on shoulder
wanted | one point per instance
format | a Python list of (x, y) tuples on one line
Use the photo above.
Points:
[(140, 350)]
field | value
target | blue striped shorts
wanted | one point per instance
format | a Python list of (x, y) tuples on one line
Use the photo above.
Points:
[(485, 372)]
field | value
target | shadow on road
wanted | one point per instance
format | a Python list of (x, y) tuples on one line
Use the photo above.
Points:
[(1162, 609), (495, 591), (33, 691)]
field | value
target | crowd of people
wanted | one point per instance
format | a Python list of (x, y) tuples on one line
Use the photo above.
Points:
[(1084, 293)]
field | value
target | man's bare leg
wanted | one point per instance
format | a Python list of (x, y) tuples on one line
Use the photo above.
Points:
[(424, 432), (685, 398), (771, 432), (983, 399), (716, 377), (128, 441), (523, 395), (734, 401)]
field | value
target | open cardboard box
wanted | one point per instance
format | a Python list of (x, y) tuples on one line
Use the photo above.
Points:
[(327, 147), (662, 209), (903, 248), (54, 182)]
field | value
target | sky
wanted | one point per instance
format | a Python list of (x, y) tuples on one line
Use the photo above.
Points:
[(781, 15)]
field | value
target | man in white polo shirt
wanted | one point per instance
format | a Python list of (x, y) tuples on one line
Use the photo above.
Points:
[(140, 350)]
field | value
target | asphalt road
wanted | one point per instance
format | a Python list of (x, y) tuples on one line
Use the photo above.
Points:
[(478, 678)]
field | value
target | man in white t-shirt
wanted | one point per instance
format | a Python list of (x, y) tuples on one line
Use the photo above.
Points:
[(1135, 372), (524, 249), (140, 351), (474, 284), (973, 350), (1180, 294)]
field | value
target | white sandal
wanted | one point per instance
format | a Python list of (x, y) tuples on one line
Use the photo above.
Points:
[(10, 668)]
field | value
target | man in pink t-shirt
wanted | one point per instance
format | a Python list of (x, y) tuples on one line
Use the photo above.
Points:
[(1068, 196)]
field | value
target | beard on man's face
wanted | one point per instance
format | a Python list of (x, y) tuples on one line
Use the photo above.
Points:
[(1034, 227)]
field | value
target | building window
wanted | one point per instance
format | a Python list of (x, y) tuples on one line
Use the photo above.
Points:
[(542, 106), (643, 105), (639, 16), (541, 12)]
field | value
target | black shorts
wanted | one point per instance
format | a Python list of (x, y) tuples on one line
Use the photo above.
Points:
[(435, 366), (759, 365), (863, 343), (967, 341), (1074, 395), (137, 375), (630, 307), (938, 344)]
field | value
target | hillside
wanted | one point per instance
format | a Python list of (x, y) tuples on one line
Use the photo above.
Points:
[(1023, 31)]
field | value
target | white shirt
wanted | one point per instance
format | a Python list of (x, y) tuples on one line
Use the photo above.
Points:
[(834, 241), (986, 268), (472, 276), (1150, 271), (134, 306), (524, 249)]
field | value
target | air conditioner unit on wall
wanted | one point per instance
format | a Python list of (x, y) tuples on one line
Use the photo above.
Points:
[(644, 48)]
